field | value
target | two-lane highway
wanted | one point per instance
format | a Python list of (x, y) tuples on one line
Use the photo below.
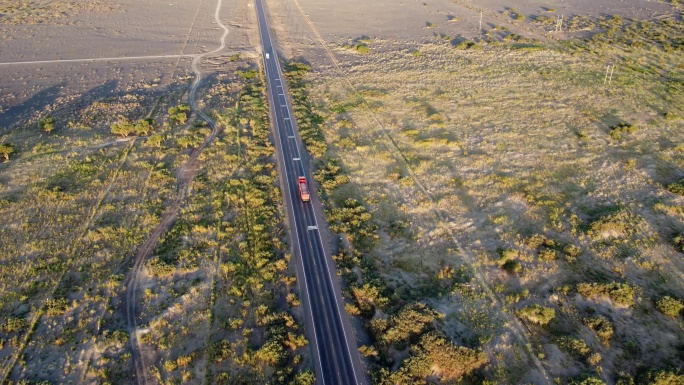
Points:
[(333, 345)]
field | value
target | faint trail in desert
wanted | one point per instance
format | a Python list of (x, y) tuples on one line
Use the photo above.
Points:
[(186, 174), (517, 327), (71, 250), (96, 59)]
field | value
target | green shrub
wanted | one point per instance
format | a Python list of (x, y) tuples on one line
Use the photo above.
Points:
[(537, 240), (14, 324), (616, 132), (435, 354), (676, 187), (613, 226), (411, 321), (669, 306), (361, 48), (179, 114), (678, 242), (587, 380), (662, 377), (56, 306), (6, 150), (575, 346), (602, 327), (511, 266), (547, 255), (47, 124), (620, 293), (159, 267), (538, 314)]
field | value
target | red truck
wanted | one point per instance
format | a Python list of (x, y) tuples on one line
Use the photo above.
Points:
[(303, 189)]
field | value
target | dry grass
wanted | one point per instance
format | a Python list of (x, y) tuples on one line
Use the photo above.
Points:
[(512, 143)]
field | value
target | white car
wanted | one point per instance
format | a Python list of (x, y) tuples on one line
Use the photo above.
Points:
[(267, 56)]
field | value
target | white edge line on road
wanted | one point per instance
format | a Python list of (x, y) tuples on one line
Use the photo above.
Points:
[(325, 257)]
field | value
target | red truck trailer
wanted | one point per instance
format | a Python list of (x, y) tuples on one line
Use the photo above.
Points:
[(303, 189)]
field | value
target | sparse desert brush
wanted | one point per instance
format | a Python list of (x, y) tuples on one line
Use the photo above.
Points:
[(669, 306), (616, 132), (620, 224), (662, 377), (620, 293), (575, 346), (676, 187), (537, 240), (14, 324), (678, 242), (47, 124), (602, 327), (6, 149), (538, 314), (511, 266), (571, 252), (179, 114), (587, 379), (361, 48), (468, 44)]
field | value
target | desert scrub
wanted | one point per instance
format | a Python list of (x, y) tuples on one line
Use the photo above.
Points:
[(662, 377), (399, 323), (575, 346), (47, 124), (179, 114), (538, 314), (602, 327), (468, 44), (434, 354), (678, 242), (616, 132), (618, 225), (14, 324), (676, 187), (620, 293), (511, 266), (587, 380), (308, 119), (669, 306), (354, 220), (6, 149)]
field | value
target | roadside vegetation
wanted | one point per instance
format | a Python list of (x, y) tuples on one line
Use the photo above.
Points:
[(403, 330), (510, 178), (78, 202)]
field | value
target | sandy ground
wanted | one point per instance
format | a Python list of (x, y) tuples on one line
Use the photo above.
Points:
[(123, 29)]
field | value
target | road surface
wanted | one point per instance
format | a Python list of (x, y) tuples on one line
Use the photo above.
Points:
[(333, 344)]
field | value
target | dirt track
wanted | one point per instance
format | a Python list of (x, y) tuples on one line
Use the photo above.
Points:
[(186, 174)]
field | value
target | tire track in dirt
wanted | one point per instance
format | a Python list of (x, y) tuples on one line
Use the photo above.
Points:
[(186, 174), (71, 250)]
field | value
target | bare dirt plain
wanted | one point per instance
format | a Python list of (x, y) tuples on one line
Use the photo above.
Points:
[(509, 194)]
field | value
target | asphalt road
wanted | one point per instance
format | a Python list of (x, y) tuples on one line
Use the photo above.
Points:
[(333, 345)]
